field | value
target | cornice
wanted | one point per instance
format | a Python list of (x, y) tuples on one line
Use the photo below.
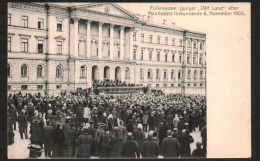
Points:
[(27, 6)]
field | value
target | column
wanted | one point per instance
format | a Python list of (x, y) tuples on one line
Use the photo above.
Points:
[(192, 41), (122, 42), (111, 41), (88, 38), (76, 36), (197, 58), (185, 51), (131, 44), (100, 41)]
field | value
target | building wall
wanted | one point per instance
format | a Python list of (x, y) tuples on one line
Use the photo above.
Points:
[(74, 53)]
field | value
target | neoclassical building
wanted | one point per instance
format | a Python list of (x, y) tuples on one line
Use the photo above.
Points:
[(54, 47)]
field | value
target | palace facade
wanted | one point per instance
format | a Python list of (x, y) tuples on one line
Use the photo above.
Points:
[(55, 47)]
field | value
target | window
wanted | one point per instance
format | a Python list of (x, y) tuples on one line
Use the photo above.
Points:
[(172, 85), (40, 23), (201, 74), (25, 21), (180, 42), (59, 47), (59, 71), (39, 87), (188, 75), (134, 54), (149, 74), (9, 87), (134, 36), (201, 84), (172, 74), (173, 41), (40, 46), (142, 37), (195, 84), (179, 74), (157, 85), (165, 57), (82, 72), (200, 60), (173, 57), (8, 70), (195, 45), (165, 74), (39, 71), (9, 44), (188, 58), (150, 55), (9, 19), (195, 74), (151, 38), (24, 87), (127, 73), (179, 85), (58, 86), (188, 85), (158, 39), (157, 74), (166, 40), (142, 55), (158, 56), (59, 25), (189, 43), (201, 45), (180, 58), (194, 58), (164, 85), (24, 45), (141, 74), (24, 70)]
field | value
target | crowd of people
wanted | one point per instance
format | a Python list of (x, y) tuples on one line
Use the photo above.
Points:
[(111, 83), (79, 125)]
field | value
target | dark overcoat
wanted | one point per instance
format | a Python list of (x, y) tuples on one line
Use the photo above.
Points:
[(129, 148), (185, 141), (150, 148), (84, 146), (170, 147), (22, 122)]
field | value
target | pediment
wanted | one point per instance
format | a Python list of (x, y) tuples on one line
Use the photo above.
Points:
[(108, 9)]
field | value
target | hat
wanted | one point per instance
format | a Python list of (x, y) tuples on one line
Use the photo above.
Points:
[(101, 124), (140, 126), (186, 123), (169, 132), (150, 134)]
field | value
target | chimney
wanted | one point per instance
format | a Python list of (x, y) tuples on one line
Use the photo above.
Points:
[(165, 21)]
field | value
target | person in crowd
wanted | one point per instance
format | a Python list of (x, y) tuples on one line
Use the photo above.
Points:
[(84, 144), (48, 138), (22, 123), (139, 136), (150, 147), (58, 141), (127, 111), (185, 140), (116, 144), (198, 152), (204, 137), (104, 145), (10, 132), (129, 147), (170, 147), (12, 112)]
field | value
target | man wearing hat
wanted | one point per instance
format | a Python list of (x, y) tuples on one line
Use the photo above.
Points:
[(139, 137), (129, 147), (150, 148), (185, 140), (170, 147), (48, 135), (22, 123), (84, 144), (198, 152)]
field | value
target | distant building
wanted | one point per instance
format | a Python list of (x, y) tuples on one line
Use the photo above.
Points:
[(57, 47)]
